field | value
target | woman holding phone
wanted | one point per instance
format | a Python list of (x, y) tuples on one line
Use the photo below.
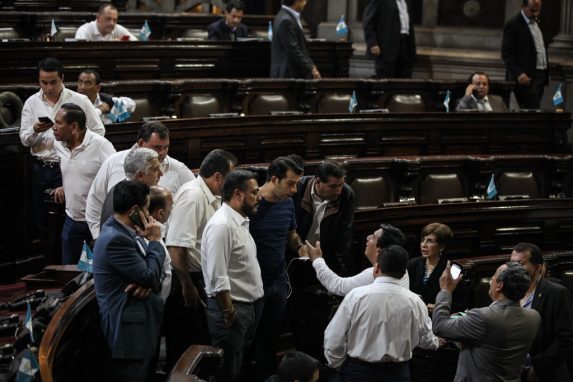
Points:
[(425, 271)]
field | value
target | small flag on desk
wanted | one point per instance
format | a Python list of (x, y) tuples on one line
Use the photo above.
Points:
[(28, 321), (270, 31), (28, 367), (144, 32), (353, 102), (86, 259), (341, 28), (558, 97), (53, 30), (491, 190), (447, 101)]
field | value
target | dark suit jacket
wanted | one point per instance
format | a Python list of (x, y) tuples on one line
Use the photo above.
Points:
[(335, 227), (130, 325), (469, 103), (518, 49), (553, 344), (289, 54), (381, 20), (219, 31), (495, 338)]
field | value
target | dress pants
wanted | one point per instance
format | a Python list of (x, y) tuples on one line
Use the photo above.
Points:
[(74, 233), (355, 370), (401, 67), (529, 96)]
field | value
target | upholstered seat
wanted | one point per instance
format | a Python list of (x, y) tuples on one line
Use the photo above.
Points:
[(440, 186), (406, 103), (517, 183), (265, 103), (370, 192), (334, 103), (200, 106), (142, 110), (10, 109)]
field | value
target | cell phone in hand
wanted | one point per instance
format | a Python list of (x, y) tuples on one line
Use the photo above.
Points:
[(46, 120), (124, 37), (455, 270), (135, 218)]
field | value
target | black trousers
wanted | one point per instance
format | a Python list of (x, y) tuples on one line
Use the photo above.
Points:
[(401, 67), (529, 96)]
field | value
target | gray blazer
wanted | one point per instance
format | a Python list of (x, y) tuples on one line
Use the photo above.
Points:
[(469, 103), (495, 339)]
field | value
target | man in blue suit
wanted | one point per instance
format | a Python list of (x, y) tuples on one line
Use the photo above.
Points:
[(122, 261)]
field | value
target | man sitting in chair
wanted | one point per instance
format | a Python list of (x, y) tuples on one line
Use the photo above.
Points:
[(229, 28), (477, 97)]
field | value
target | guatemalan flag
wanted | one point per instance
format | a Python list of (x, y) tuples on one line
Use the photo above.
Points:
[(144, 32), (341, 28), (353, 102), (28, 321), (491, 190), (447, 101), (86, 259), (118, 113), (558, 97), (53, 29)]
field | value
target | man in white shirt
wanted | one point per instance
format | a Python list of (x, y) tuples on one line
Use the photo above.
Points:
[(153, 135), (105, 27), (81, 154), (384, 236), (231, 271), (376, 327), (89, 84), (194, 204), (38, 135)]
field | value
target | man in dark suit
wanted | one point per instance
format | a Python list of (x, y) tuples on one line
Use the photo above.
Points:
[(477, 96), (289, 54), (496, 338), (230, 27), (525, 53), (389, 37), (124, 266), (553, 345)]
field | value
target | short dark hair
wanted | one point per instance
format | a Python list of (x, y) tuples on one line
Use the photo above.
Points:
[(471, 78), (96, 75), (391, 236), (280, 166), (515, 280), (296, 365), (297, 159), (150, 127), (51, 64), (393, 261), (128, 193), (444, 234), (235, 4), (236, 179), (328, 168), (217, 160), (289, 3), (104, 6), (74, 113), (535, 255)]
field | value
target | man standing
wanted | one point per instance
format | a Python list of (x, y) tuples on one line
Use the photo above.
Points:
[(89, 84), (232, 274), (477, 96), (289, 54), (376, 327), (496, 338), (274, 230), (81, 154), (121, 257), (389, 36), (39, 137), (324, 207), (230, 27), (525, 54), (194, 205), (551, 350), (105, 27)]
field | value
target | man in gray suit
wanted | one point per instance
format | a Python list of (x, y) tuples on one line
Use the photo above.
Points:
[(477, 96), (495, 339)]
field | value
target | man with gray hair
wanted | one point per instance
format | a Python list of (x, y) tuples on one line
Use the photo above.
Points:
[(495, 338)]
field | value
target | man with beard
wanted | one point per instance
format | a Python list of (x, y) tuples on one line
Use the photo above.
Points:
[(232, 274)]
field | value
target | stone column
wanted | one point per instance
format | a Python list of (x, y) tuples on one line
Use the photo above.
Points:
[(335, 9), (563, 42)]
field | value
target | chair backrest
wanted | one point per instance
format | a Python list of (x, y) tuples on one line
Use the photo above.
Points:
[(142, 109), (440, 186), (406, 103), (517, 183), (262, 104), (334, 103), (200, 105), (198, 34), (8, 34), (10, 109), (65, 32), (370, 192)]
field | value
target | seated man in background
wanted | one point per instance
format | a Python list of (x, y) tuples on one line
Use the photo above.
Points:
[(89, 84), (296, 366), (229, 27), (477, 96), (105, 27)]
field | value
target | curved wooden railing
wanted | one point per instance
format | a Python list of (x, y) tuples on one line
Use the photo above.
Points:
[(198, 362)]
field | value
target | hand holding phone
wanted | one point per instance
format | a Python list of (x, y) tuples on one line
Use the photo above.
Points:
[(124, 37), (136, 218), (46, 120), (455, 270)]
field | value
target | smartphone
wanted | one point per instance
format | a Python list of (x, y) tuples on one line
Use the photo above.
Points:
[(46, 120), (135, 218), (124, 38), (475, 92), (455, 270)]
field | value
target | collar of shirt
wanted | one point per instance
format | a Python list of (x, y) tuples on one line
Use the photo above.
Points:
[(128, 228), (59, 98), (239, 219), (503, 302), (210, 197), (294, 13), (316, 200), (387, 280), (527, 19), (86, 141), (484, 99)]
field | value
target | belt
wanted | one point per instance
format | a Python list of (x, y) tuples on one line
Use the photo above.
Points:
[(47, 163)]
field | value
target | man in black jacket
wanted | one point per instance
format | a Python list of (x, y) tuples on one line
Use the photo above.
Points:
[(229, 28), (553, 344)]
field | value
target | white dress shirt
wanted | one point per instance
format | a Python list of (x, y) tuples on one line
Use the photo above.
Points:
[(89, 32), (340, 286), (380, 322), (229, 257), (166, 283), (42, 144), (79, 167), (541, 61), (483, 104), (193, 205), (404, 16)]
